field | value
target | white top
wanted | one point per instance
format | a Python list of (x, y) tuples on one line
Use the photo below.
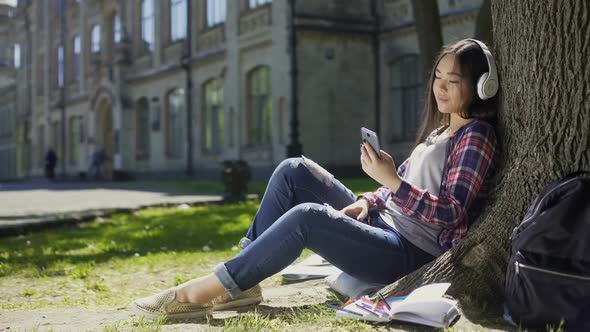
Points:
[(424, 171)]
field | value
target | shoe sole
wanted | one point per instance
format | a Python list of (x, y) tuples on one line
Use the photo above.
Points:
[(237, 303), (186, 315)]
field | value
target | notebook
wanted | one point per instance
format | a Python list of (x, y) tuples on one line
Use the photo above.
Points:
[(425, 305)]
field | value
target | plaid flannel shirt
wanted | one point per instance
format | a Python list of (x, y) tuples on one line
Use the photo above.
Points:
[(472, 156)]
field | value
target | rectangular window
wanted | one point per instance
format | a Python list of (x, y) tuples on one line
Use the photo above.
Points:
[(142, 134), (213, 116), (95, 39), (260, 106), (178, 23), (116, 29), (60, 67), (147, 25), (76, 59), (405, 97), (216, 11), (257, 3), (17, 56), (174, 127)]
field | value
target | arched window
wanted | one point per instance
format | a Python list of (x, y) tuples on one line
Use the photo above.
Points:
[(95, 39), (213, 116), (175, 107), (142, 132), (147, 25), (406, 98), (259, 110)]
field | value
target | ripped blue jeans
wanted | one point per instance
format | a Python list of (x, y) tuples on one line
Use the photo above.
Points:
[(301, 209)]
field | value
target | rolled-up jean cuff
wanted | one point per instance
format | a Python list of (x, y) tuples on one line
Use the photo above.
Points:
[(244, 242), (227, 281)]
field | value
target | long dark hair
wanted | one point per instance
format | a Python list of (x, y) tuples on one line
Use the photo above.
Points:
[(472, 63)]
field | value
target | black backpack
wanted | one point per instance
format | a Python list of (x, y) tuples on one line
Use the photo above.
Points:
[(548, 276)]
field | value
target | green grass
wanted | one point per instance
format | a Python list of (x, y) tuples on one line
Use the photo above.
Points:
[(100, 262), (318, 316), (113, 260), (357, 185)]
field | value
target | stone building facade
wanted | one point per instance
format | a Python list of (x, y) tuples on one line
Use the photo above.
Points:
[(9, 112), (168, 87)]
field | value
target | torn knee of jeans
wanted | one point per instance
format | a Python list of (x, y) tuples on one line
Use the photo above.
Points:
[(306, 207), (318, 171), (332, 212)]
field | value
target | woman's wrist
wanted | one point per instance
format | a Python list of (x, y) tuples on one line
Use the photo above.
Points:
[(394, 183)]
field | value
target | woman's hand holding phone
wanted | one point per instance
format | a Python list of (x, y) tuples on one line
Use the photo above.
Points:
[(382, 170)]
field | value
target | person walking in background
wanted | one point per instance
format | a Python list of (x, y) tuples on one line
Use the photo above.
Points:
[(97, 160), (50, 162)]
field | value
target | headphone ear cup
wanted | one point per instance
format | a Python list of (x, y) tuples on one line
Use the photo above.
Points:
[(481, 82)]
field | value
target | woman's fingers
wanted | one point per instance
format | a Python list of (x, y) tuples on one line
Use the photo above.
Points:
[(370, 152), (365, 154), (362, 215), (386, 156)]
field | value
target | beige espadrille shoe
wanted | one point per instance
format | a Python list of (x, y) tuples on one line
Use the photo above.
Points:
[(248, 297), (164, 305)]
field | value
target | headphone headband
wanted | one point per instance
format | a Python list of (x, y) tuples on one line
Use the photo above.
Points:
[(487, 83)]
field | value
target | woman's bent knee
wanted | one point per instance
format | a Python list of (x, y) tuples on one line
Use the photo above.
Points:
[(291, 166)]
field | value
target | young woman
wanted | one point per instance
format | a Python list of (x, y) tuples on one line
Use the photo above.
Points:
[(424, 208)]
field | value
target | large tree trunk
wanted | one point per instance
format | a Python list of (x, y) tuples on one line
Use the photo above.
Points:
[(429, 33), (542, 50)]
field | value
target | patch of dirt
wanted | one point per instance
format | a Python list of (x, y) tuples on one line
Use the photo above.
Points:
[(277, 299)]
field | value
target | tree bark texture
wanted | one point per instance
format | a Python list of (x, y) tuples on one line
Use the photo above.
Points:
[(429, 33), (542, 52)]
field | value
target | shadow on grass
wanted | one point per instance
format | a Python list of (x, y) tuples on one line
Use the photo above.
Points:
[(149, 231)]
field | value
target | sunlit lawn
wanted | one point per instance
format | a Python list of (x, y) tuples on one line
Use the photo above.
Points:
[(357, 185), (109, 262)]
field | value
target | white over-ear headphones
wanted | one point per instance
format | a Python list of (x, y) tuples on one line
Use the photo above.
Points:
[(487, 83)]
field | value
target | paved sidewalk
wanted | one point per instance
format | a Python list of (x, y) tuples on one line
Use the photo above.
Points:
[(30, 206)]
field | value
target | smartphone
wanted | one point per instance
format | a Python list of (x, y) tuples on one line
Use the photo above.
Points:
[(371, 137)]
